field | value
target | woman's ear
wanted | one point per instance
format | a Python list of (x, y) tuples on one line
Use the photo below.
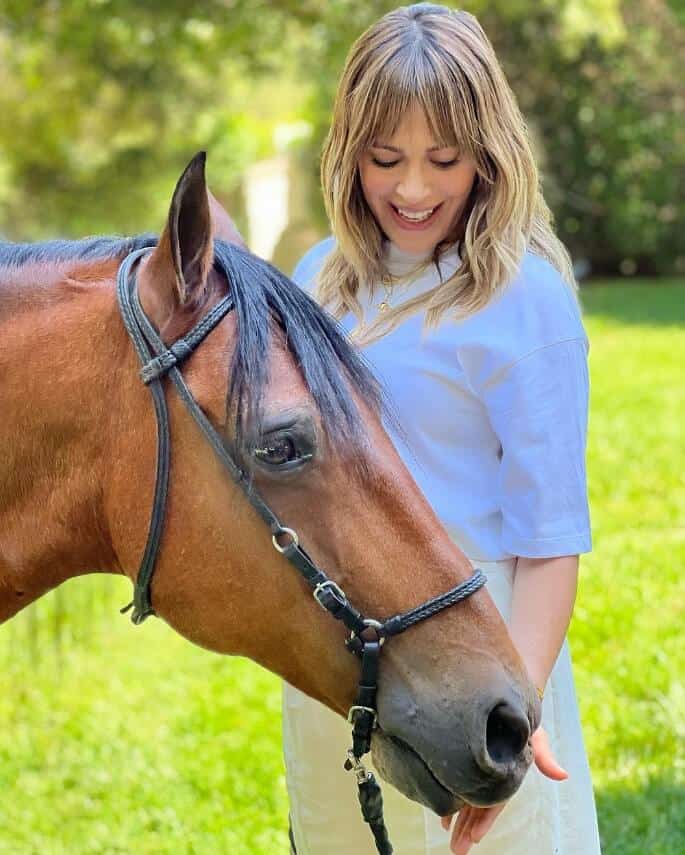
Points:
[(174, 277)]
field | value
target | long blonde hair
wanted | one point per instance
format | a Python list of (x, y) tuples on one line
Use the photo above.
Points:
[(441, 60)]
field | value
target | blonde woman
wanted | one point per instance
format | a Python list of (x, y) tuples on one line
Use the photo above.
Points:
[(444, 266)]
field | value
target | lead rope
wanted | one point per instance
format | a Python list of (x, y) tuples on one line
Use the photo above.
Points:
[(157, 361)]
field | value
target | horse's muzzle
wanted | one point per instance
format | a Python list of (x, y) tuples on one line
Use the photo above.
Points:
[(442, 756)]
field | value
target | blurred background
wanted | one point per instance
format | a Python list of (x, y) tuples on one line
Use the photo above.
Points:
[(122, 740)]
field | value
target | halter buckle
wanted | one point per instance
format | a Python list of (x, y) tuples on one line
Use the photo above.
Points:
[(328, 585), (353, 709)]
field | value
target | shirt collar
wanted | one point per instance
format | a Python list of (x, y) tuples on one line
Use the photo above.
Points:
[(400, 263)]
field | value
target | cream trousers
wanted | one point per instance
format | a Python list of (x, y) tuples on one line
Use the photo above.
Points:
[(543, 818)]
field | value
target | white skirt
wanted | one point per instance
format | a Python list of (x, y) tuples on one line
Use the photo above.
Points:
[(543, 818)]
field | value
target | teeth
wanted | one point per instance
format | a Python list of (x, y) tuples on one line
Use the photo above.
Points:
[(416, 217)]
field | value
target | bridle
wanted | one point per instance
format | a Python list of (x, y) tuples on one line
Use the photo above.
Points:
[(366, 635)]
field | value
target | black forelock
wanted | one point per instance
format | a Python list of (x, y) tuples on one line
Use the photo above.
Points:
[(332, 368)]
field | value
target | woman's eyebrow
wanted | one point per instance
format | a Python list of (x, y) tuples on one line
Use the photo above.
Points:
[(399, 150)]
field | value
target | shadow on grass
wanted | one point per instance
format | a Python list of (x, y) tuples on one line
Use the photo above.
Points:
[(647, 302), (645, 821)]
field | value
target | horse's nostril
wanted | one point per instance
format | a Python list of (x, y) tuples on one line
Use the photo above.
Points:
[(507, 733)]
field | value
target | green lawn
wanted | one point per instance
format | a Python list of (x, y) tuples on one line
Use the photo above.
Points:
[(123, 740), (627, 631)]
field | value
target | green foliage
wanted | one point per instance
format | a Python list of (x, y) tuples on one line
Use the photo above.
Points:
[(124, 740), (606, 114), (601, 85), (104, 101)]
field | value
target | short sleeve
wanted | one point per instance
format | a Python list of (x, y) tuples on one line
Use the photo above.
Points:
[(538, 409)]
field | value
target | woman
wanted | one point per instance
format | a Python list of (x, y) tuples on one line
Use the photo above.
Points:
[(445, 268)]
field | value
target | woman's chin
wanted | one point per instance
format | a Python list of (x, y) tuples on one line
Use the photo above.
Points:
[(415, 243)]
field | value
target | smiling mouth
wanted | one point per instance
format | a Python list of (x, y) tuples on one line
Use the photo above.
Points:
[(415, 217)]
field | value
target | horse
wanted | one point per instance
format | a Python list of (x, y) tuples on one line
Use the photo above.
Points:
[(304, 418)]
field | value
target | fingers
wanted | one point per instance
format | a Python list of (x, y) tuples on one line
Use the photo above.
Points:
[(544, 758), (461, 840), (484, 822), (473, 823), (471, 827)]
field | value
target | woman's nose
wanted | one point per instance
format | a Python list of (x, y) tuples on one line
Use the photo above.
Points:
[(412, 188)]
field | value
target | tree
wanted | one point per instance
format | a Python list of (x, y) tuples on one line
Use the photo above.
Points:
[(104, 101)]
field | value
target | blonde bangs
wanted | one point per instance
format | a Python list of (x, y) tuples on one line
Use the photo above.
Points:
[(400, 79), (441, 60)]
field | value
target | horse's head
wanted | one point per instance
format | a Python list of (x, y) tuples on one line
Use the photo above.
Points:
[(300, 413)]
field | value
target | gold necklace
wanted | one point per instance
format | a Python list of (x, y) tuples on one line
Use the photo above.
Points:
[(393, 286), (384, 304)]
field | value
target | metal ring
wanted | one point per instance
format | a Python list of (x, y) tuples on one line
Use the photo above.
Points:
[(294, 539), (374, 624)]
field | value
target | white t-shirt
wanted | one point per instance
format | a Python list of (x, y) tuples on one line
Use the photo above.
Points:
[(493, 408)]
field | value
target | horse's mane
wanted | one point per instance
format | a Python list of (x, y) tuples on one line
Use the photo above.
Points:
[(13, 255), (333, 370)]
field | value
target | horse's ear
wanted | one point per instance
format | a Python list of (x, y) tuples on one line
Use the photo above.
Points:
[(175, 275)]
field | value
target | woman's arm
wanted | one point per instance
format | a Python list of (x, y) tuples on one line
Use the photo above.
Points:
[(542, 604)]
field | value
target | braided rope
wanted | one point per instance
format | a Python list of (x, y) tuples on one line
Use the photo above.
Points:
[(399, 623)]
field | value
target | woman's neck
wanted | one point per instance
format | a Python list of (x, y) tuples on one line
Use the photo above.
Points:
[(400, 263)]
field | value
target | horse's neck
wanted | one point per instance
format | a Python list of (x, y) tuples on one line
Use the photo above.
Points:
[(53, 430)]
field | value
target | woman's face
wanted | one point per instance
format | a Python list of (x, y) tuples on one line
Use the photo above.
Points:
[(416, 189)]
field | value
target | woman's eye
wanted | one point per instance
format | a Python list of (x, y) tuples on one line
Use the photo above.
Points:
[(445, 164), (280, 451), (384, 164)]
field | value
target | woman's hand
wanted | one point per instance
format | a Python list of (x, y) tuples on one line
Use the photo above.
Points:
[(473, 823)]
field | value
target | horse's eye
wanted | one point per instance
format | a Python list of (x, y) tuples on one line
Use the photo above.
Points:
[(281, 451)]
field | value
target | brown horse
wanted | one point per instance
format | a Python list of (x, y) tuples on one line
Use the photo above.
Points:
[(77, 433)]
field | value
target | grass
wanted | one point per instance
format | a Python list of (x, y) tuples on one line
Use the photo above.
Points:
[(123, 740), (139, 743), (627, 630)]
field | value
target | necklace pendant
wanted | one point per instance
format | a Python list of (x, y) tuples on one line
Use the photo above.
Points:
[(383, 306)]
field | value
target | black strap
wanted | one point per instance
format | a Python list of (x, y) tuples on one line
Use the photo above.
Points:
[(363, 714), (142, 603)]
